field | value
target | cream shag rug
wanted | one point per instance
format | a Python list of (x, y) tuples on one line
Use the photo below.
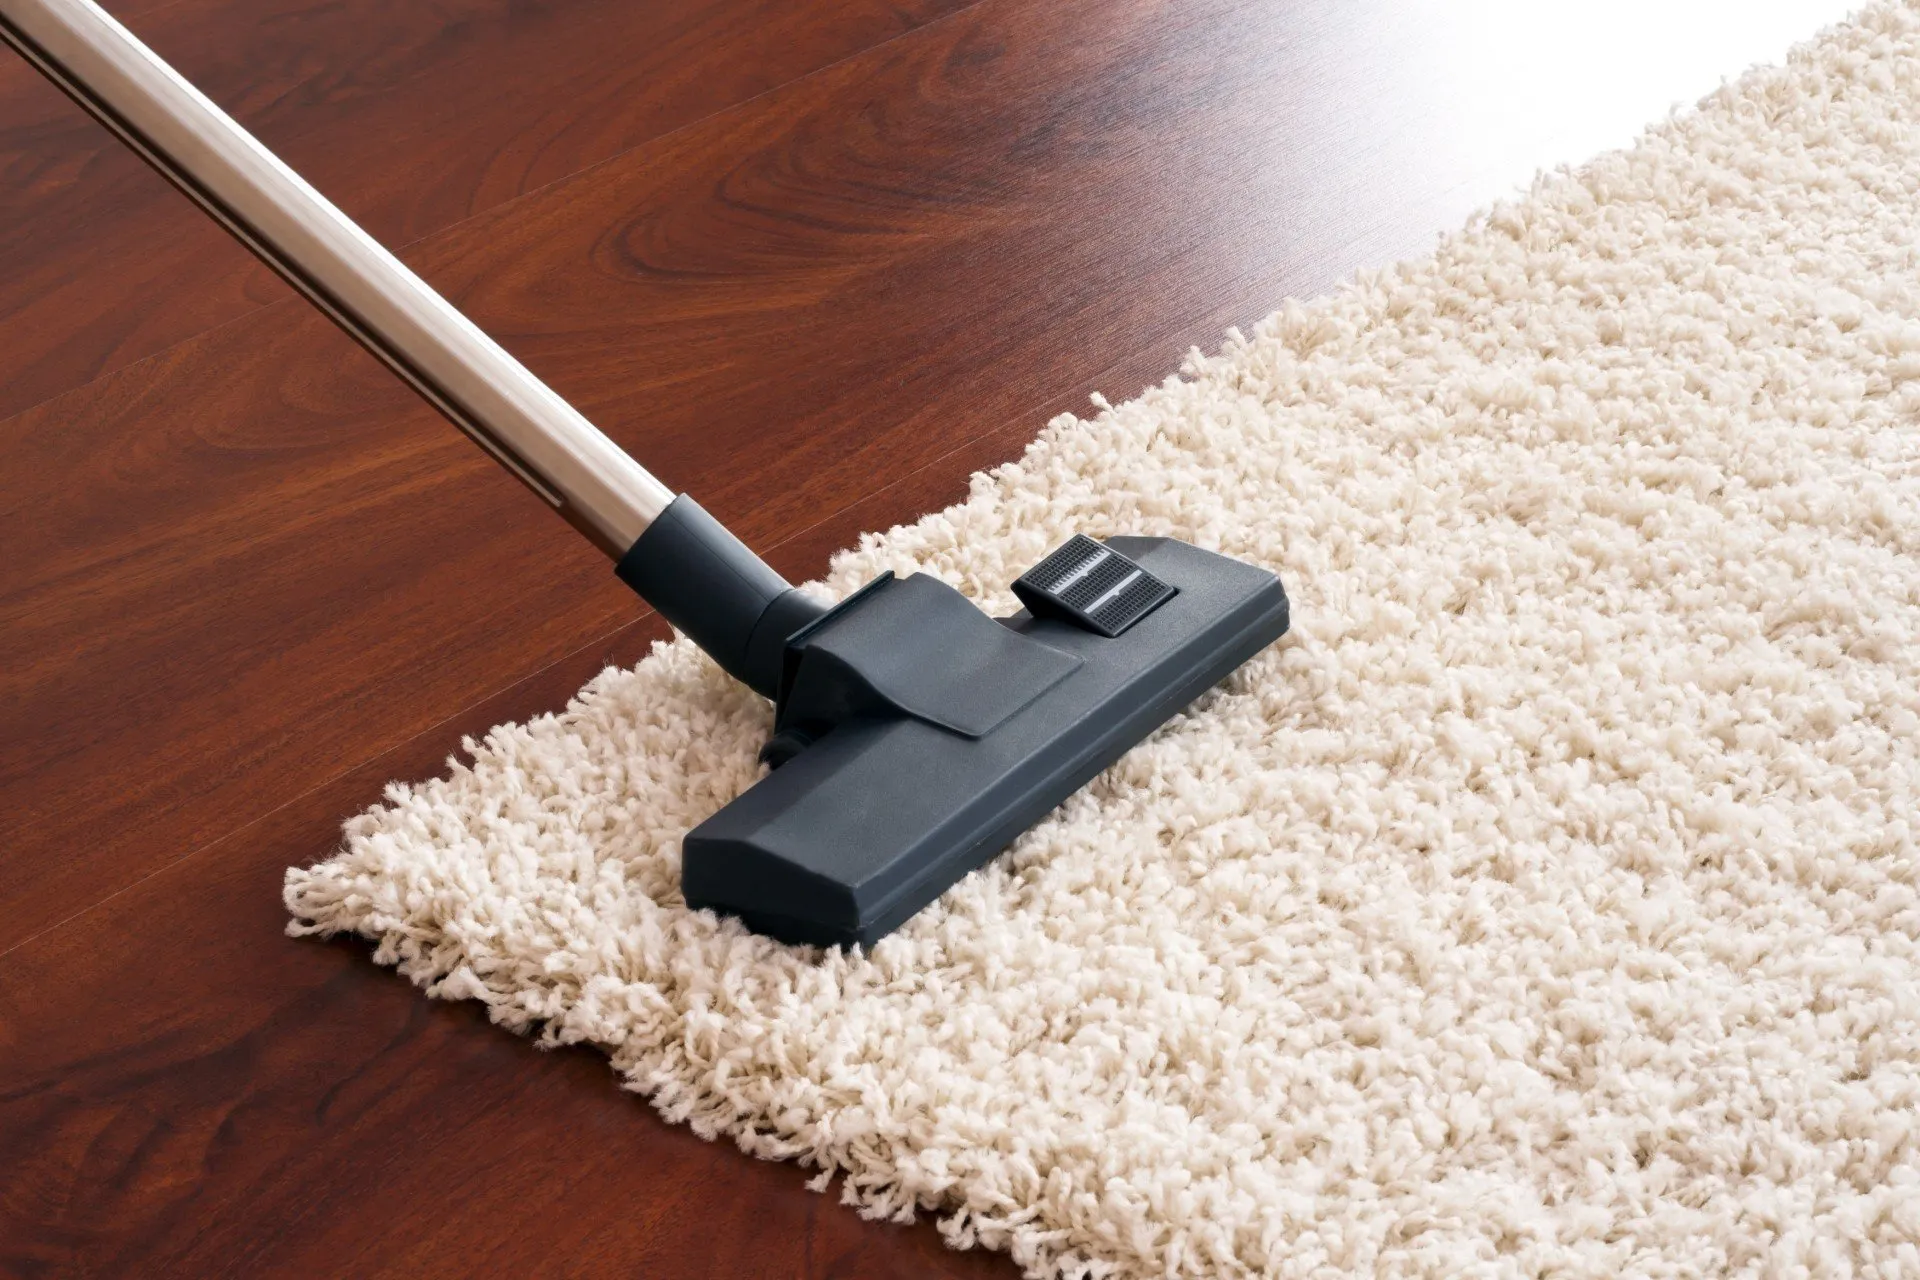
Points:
[(1545, 904)]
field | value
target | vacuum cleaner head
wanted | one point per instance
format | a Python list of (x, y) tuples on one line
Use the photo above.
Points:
[(915, 737)]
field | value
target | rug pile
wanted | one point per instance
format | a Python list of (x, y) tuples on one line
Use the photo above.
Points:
[(1548, 902)]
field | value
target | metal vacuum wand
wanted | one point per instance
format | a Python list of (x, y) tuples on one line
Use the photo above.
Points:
[(319, 251)]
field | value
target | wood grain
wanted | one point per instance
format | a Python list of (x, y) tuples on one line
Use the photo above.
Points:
[(816, 266), (409, 116)]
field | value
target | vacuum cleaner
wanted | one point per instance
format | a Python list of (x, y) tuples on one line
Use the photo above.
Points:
[(913, 735)]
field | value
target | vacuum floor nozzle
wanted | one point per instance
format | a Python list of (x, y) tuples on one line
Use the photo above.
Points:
[(915, 737)]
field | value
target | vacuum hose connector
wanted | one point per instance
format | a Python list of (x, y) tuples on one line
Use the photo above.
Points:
[(707, 583)]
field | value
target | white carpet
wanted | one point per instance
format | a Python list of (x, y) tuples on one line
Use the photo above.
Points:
[(1545, 904)]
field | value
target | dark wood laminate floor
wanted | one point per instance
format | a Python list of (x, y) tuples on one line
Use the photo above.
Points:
[(813, 263)]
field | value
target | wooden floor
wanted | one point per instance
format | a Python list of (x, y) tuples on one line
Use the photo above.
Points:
[(813, 263)]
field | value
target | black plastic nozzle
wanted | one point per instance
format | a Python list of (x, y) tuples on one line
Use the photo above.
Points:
[(916, 736)]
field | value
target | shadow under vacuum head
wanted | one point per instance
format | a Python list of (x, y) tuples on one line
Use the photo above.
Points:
[(915, 737)]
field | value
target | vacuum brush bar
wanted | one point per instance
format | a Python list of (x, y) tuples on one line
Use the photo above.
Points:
[(368, 292)]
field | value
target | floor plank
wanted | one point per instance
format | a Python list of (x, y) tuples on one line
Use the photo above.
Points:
[(411, 117), (247, 580)]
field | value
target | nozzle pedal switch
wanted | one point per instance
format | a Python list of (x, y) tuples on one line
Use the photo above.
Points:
[(1091, 585)]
